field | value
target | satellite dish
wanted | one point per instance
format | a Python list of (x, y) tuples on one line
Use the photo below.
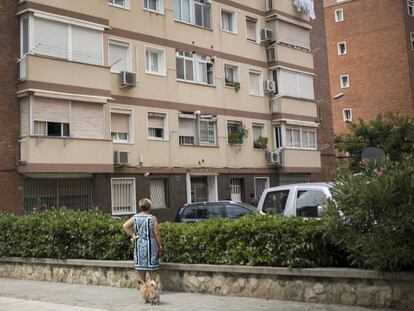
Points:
[(373, 154)]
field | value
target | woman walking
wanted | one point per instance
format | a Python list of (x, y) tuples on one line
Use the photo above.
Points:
[(143, 230)]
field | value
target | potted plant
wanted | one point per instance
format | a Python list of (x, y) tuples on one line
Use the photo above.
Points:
[(238, 134), (261, 143)]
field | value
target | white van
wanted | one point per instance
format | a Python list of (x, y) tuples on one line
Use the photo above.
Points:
[(303, 200)]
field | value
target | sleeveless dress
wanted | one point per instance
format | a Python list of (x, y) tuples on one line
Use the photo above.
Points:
[(146, 247)]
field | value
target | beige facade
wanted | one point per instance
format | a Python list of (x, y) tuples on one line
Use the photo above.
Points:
[(157, 89)]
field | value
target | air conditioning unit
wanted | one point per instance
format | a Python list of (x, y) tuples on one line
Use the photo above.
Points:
[(274, 157), (128, 78), (269, 86), (266, 35), (121, 158)]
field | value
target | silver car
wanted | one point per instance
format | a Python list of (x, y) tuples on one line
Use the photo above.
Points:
[(303, 200)]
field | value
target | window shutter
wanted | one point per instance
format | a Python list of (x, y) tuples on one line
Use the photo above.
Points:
[(257, 132), (285, 33), (120, 122), (301, 37), (157, 193), (186, 127), (254, 83), (251, 29), (86, 45), (306, 86), (156, 120), (118, 56), (52, 110), (50, 38), (289, 83)]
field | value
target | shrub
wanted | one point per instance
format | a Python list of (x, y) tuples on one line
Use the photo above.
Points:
[(375, 222), (252, 240)]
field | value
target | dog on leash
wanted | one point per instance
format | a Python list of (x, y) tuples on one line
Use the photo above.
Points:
[(150, 292)]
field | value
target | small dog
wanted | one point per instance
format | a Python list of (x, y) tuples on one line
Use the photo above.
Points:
[(150, 292)]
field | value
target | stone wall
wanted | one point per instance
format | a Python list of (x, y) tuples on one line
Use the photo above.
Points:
[(334, 286)]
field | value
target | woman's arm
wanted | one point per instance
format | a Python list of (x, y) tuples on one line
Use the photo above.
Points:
[(127, 228), (157, 235)]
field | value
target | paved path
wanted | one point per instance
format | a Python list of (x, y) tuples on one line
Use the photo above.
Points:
[(17, 295)]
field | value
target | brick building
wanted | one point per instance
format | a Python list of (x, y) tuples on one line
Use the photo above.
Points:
[(117, 100), (370, 53)]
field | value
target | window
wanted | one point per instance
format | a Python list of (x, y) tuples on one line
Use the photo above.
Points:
[(300, 138), (234, 211), (344, 81), (155, 61), (119, 3), (158, 193), (412, 40), (207, 129), (123, 199), (260, 184), (308, 139), (341, 46), (228, 21), (154, 5), (273, 77), (339, 15), (119, 58), (347, 114), (24, 37), (258, 132), (194, 68), (308, 203), (234, 130), (293, 138), (275, 202), (295, 84), (121, 128), (196, 12), (269, 5), (293, 36), (209, 211), (157, 126), (231, 75), (410, 6), (255, 83), (51, 129), (278, 137), (252, 29), (63, 40)]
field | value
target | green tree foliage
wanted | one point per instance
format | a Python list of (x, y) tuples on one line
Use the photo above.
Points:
[(372, 215), (390, 132)]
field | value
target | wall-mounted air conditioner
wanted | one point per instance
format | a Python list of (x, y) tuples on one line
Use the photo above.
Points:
[(121, 158), (128, 78), (266, 35), (269, 86), (274, 157)]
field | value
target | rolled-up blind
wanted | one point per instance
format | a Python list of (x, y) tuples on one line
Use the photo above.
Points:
[(52, 110), (306, 86), (186, 127), (156, 120), (50, 38), (119, 123), (86, 45), (289, 83)]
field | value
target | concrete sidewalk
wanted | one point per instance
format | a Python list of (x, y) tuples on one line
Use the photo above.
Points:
[(18, 295)]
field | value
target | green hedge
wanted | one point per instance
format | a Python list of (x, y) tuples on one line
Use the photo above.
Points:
[(253, 240)]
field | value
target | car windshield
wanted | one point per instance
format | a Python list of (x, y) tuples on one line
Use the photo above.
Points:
[(275, 202)]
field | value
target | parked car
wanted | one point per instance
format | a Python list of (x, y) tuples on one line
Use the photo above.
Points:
[(303, 200), (195, 212)]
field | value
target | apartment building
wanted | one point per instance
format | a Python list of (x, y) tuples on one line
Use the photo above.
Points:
[(371, 53), (176, 100)]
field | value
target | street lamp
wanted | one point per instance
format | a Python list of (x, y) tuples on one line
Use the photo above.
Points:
[(338, 96)]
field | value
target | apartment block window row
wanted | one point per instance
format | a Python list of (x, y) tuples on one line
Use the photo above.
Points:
[(59, 37), (342, 50), (339, 15), (121, 125), (296, 137), (157, 126), (412, 40), (344, 80), (347, 115), (410, 7), (228, 21), (197, 129), (123, 198), (292, 35)]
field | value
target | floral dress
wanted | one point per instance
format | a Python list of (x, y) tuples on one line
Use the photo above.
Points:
[(146, 247)]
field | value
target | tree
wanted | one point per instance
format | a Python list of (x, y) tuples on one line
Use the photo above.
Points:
[(390, 132)]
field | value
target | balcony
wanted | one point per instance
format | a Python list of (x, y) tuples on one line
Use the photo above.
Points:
[(57, 155), (61, 76), (283, 53), (300, 161), (294, 107), (286, 6)]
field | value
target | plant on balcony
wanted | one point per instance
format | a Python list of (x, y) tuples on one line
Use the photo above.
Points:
[(234, 84), (237, 134), (261, 143)]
